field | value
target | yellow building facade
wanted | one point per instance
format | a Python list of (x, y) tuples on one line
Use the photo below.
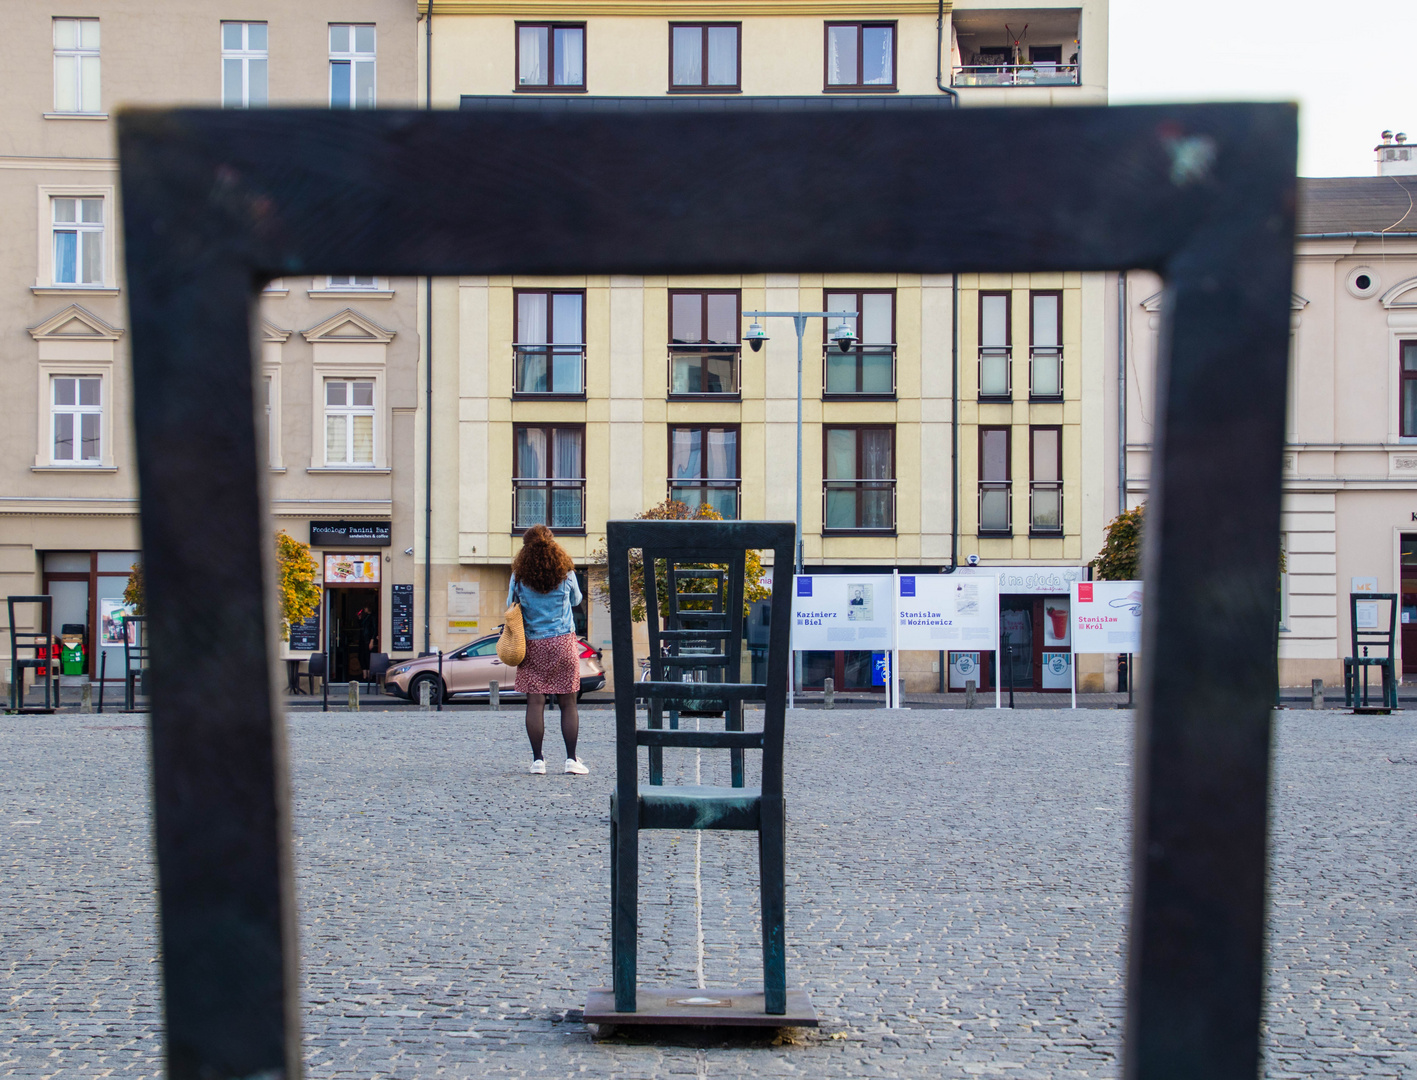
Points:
[(574, 401)]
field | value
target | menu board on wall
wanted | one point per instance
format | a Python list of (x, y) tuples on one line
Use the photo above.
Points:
[(403, 618), (305, 636)]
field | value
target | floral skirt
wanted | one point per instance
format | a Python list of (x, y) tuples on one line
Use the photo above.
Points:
[(552, 666)]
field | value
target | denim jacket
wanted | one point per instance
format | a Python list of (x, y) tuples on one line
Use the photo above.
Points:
[(546, 614)]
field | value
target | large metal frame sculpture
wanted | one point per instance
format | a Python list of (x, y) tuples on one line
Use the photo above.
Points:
[(217, 202)]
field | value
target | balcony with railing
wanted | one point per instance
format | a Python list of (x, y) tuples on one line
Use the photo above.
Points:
[(1045, 508), (1045, 374), (722, 495), (858, 506), (996, 373), (1017, 47), (558, 503), (548, 371), (703, 371), (866, 371), (996, 515)]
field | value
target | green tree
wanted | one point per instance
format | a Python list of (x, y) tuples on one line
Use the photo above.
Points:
[(1120, 557), (674, 510)]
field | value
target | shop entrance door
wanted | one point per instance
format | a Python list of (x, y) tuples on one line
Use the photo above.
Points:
[(352, 621), (1407, 618), (1016, 628)]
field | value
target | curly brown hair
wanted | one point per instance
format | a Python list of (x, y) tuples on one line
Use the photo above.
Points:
[(541, 564)]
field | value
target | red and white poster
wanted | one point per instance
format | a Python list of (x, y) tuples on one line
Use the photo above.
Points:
[(1106, 616)]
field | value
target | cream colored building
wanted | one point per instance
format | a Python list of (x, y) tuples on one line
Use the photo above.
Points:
[(338, 356), (579, 400), (1350, 461)]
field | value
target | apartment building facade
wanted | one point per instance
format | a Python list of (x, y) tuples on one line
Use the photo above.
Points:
[(1350, 461), (337, 356), (964, 420)]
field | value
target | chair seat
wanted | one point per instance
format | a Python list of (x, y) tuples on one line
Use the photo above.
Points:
[(697, 806)]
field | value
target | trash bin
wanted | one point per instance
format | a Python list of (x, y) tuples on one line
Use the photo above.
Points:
[(71, 655)]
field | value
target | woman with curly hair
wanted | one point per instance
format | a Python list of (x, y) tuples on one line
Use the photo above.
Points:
[(544, 583)]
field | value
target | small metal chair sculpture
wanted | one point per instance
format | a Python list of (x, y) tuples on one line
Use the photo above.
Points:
[(1365, 639), (135, 660), (635, 807), (33, 650)]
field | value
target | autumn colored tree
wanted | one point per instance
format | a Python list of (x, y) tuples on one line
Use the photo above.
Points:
[(1120, 557), (297, 582), (674, 510), (133, 591)]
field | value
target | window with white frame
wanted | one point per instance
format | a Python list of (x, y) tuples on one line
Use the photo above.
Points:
[(268, 420), (352, 54), (77, 223), (76, 83), (76, 419), (349, 422), (244, 60), (351, 281)]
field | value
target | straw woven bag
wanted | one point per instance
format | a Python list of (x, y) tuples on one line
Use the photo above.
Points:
[(511, 646)]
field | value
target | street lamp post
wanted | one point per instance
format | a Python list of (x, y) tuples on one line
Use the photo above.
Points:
[(844, 338)]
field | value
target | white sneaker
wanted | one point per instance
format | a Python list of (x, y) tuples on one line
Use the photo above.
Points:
[(574, 765), (539, 767)]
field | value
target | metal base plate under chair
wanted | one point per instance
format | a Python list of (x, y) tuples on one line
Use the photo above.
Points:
[(700, 1008)]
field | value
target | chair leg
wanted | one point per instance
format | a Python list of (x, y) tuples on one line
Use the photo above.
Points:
[(772, 870), (624, 915)]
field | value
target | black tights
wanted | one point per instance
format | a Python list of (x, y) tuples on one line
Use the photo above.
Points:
[(536, 722)]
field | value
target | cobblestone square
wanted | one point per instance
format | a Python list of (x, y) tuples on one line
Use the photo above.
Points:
[(957, 896)]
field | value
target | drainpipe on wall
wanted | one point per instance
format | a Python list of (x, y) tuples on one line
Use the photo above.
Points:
[(940, 56), (1122, 392), (428, 379)]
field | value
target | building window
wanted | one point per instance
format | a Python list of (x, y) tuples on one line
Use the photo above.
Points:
[(243, 64), (76, 66), (703, 467), (704, 56), (269, 431), (349, 422), (78, 240), (869, 367), (1045, 482), (860, 56), (77, 420), (858, 489), (352, 58), (995, 484), (351, 281), (995, 346), (551, 56), (1409, 388), (703, 343), (549, 485), (550, 346), (1045, 346)]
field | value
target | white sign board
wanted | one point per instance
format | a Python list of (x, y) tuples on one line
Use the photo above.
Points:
[(843, 611), (464, 600), (947, 612), (1106, 616)]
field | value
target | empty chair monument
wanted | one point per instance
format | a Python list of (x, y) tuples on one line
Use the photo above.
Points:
[(693, 620)]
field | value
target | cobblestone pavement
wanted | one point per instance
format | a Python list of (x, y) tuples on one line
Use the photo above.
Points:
[(956, 899)]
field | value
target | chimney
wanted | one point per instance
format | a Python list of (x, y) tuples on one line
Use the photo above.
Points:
[(1395, 157)]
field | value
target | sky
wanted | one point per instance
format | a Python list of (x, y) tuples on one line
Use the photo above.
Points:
[(1349, 65)]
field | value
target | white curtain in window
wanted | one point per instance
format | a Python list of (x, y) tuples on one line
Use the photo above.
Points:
[(876, 318), (570, 48), (876, 60), (531, 453), (531, 318), (875, 454), (686, 450), (336, 438), (688, 56), (1045, 322), (568, 454), (723, 56), (533, 48), (841, 55), (722, 454), (363, 448), (841, 454), (993, 321)]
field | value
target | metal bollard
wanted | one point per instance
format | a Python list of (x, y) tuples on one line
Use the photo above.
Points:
[(353, 696), (969, 694), (86, 698), (493, 695), (1317, 690), (829, 693), (425, 696)]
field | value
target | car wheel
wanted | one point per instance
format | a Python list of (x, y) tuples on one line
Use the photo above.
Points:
[(415, 689)]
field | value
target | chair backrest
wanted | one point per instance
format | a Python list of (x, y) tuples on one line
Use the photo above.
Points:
[(692, 553), (1373, 635), (378, 664), (135, 642), (317, 665), (42, 636)]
